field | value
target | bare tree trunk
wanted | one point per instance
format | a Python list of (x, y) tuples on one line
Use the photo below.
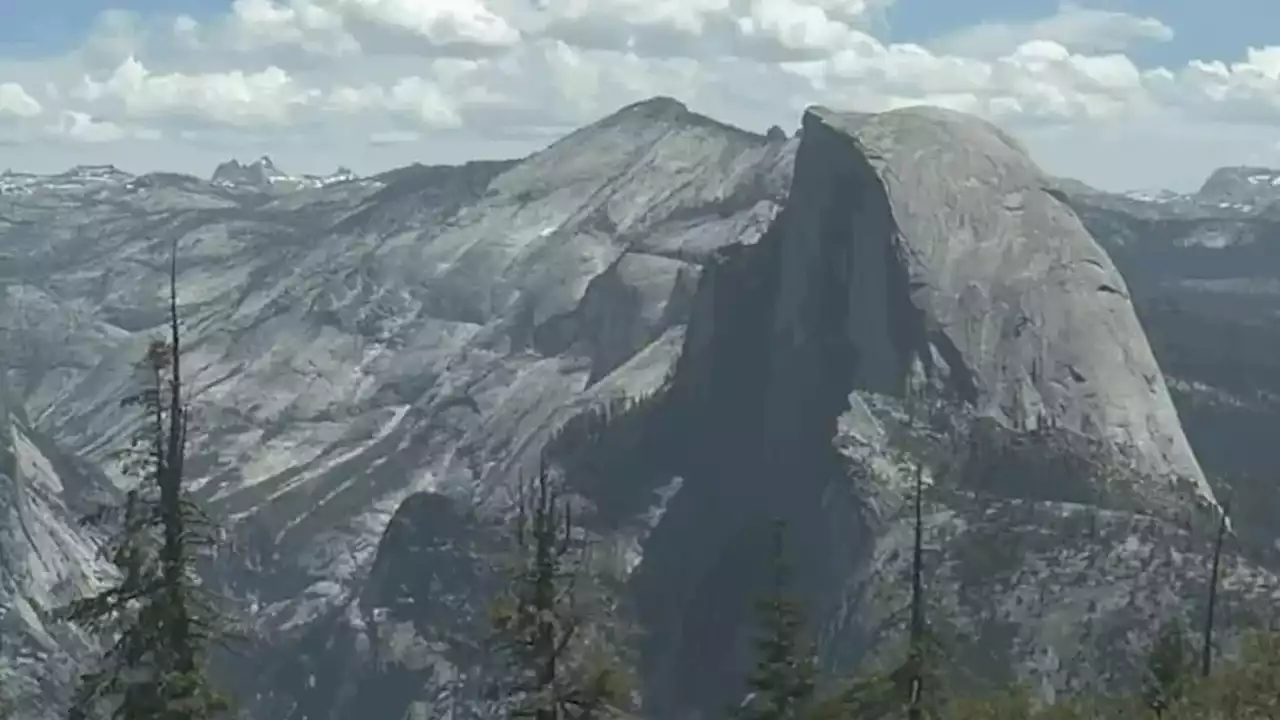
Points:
[(173, 550), (1206, 648), (545, 527), (917, 603)]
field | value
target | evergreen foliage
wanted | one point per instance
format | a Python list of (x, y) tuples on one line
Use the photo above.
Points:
[(156, 620), (783, 683), (554, 624)]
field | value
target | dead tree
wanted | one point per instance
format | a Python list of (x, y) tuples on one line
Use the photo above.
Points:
[(1206, 647)]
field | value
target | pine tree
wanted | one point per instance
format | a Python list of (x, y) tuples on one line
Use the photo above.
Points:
[(783, 683), (159, 622), (551, 622)]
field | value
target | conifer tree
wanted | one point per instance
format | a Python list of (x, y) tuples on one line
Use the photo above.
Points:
[(553, 623), (783, 683), (158, 622)]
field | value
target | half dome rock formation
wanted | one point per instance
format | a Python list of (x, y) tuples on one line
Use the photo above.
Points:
[(922, 300), (958, 259)]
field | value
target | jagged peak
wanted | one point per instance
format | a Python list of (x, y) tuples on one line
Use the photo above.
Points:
[(259, 172)]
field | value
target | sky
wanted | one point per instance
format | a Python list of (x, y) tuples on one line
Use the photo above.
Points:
[(1123, 94)]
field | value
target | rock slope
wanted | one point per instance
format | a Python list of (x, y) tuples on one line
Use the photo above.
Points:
[(1207, 288), (46, 559), (377, 359), (355, 344)]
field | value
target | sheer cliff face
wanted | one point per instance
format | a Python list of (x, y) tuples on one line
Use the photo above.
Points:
[(1001, 293), (919, 253)]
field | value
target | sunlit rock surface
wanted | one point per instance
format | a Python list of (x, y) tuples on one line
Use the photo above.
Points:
[(376, 359)]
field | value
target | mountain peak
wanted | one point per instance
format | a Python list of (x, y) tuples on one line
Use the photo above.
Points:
[(1242, 184), (259, 173), (661, 109), (659, 105)]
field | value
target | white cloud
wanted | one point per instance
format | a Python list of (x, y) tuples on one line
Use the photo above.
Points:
[(1038, 81), (15, 101), (422, 100), (769, 30), (395, 137), (233, 97), (347, 27), (83, 127), (367, 83), (1247, 90), (1081, 29), (259, 23)]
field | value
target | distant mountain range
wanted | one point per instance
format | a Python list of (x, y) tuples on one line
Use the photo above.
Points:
[(261, 175), (735, 317)]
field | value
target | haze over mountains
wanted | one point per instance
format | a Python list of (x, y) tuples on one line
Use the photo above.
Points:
[(376, 356)]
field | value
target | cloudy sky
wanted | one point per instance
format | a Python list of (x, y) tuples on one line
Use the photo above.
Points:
[(1120, 93)]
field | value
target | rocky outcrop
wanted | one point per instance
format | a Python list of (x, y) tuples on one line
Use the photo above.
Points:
[(922, 255), (355, 344), (411, 641), (259, 173), (962, 263), (46, 560), (1207, 288), (1250, 187)]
